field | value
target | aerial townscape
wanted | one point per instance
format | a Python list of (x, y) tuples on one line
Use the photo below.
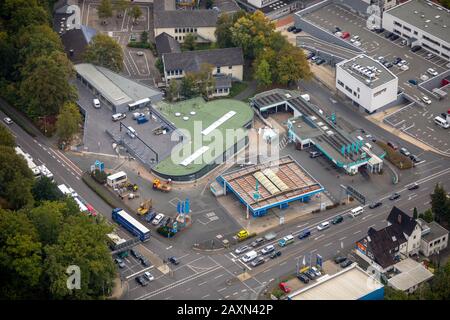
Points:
[(224, 150)]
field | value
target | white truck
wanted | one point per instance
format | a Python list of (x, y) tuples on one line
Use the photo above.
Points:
[(306, 97)]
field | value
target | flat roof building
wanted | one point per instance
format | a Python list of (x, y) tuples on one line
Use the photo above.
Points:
[(423, 23), (352, 283), (408, 275), (434, 237), (114, 90), (366, 82)]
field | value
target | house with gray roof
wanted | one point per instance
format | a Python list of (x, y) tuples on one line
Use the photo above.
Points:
[(165, 43), (180, 23), (227, 66)]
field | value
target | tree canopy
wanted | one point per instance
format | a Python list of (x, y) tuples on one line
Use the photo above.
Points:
[(68, 121), (106, 52)]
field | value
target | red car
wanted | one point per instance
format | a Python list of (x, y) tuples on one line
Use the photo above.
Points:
[(283, 286), (345, 35), (91, 210)]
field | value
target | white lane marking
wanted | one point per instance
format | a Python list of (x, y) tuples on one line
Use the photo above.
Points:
[(200, 284), (221, 289), (221, 275), (357, 232)]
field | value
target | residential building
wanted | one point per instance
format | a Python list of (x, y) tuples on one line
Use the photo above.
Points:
[(366, 82), (434, 238), (423, 23), (408, 275), (165, 43), (385, 247), (180, 23), (227, 64), (115, 91)]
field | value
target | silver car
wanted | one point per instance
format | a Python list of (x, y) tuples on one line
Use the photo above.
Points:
[(241, 249)]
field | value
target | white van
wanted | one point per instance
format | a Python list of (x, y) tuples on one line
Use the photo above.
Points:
[(357, 211), (96, 103), (249, 256), (441, 122), (118, 116), (131, 132)]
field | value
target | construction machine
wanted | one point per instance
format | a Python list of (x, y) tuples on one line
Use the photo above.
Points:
[(145, 207), (161, 186)]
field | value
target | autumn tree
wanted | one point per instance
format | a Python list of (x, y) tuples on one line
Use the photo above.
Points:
[(135, 13), (105, 10), (262, 73), (68, 121), (106, 52), (120, 6)]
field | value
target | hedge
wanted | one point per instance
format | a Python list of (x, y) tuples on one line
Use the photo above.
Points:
[(396, 158), (165, 231), (18, 121)]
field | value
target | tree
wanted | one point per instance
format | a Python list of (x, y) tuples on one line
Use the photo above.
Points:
[(48, 221), (106, 52), (120, 6), (393, 294), (82, 243), (45, 86), (8, 55), (262, 73), (204, 80), (144, 37), (135, 13), (440, 205), (45, 189), (188, 86), (105, 10), (189, 42), (415, 213), (6, 138), (159, 65), (16, 179), (68, 121), (19, 13), (292, 65), (209, 4), (173, 90), (428, 216), (223, 28)]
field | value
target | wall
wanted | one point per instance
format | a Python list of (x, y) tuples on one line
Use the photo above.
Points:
[(236, 71), (356, 6), (204, 32), (414, 244)]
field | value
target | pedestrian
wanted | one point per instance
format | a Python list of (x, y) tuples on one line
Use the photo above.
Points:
[(139, 173)]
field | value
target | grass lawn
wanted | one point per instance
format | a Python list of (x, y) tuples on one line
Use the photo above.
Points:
[(206, 113), (237, 88)]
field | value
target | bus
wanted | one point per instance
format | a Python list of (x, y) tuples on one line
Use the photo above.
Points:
[(286, 240), (131, 224), (116, 179)]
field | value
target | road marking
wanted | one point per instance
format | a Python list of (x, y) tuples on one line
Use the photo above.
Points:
[(219, 276), (221, 289), (316, 238), (168, 248), (235, 293), (243, 290), (342, 238), (205, 296), (267, 270), (226, 297), (357, 232), (200, 284), (328, 244), (283, 263), (302, 225)]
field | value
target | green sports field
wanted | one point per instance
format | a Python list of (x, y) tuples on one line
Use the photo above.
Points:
[(206, 113)]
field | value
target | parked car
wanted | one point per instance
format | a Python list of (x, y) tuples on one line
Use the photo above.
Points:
[(257, 242), (150, 216), (96, 103), (345, 35), (136, 253), (303, 278), (145, 262), (148, 276), (133, 37), (401, 63), (291, 28), (416, 48), (323, 226), (120, 263), (354, 39), (140, 53), (403, 42), (392, 145), (276, 254), (396, 60), (424, 77), (165, 221), (357, 43), (141, 280), (346, 263), (388, 34), (241, 249), (7, 120), (432, 72), (258, 261), (415, 158), (394, 196), (394, 37), (413, 82), (339, 259), (268, 249), (337, 220), (429, 56), (320, 61), (316, 271), (310, 55), (404, 67), (426, 100), (405, 152), (310, 274), (388, 65), (413, 186), (158, 219), (337, 29), (297, 30), (174, 261), (315, 154), (283, 286), (304, 234), (374, 205)]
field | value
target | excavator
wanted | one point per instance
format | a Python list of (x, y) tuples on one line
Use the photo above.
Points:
[(164, 187), (145, 207)]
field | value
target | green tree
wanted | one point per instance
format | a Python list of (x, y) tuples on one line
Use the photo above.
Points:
[(105, 10), (8, 55), (20, 13), (415, 213), (440, 205), (159, 65), (48, 220), (83, 243), (135, 13), (20, 257), (45, 86), (445, 3), (45, 189), (209, 4), (262, 73), (393, 294), (189, 42), (120, 6), (68, 121), (106, 52), (204, 80), (223, 28), (292, 66), (173, 90), (16, 179), (144, 37), (188, 86), (6, 138), (428, 216)]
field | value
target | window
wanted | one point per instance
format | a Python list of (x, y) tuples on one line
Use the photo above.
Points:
[(397, 24), (415, 32), (218, 70), (176, 30), (431, 40), (340, 83), (376, 94), (230, 67), (195, 29), (357, 89), (446, 48), (406, 28), (348, 89), (396, 31), (445, 55), (430, 48)]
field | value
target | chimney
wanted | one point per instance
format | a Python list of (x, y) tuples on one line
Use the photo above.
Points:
[(399, 219)]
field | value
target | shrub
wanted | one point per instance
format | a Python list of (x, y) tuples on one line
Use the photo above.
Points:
[(99, 176), (396, 158), (278, 293), (165, 231)]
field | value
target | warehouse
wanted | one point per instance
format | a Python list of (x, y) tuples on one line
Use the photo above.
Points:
[(270, 185)]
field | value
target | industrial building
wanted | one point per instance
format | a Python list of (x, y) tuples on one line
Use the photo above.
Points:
[(310, 126), (366, 82), (274, 184), (352, 283), (272, 9), (117, 92), (422, 23)]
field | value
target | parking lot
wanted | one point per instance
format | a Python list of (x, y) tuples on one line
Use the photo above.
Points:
[(417, 119)]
